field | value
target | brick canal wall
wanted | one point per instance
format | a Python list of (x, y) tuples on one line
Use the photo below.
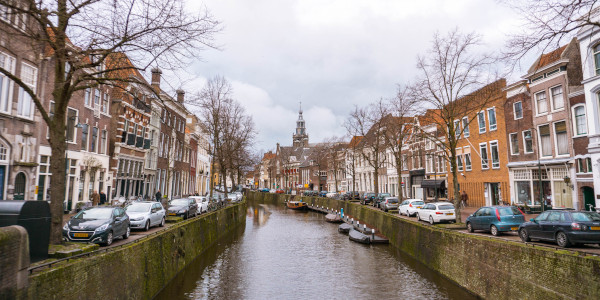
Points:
[(488, 267), (140, 269)]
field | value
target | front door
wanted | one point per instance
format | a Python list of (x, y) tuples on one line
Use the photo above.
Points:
[(2, 179), (20, 187), (588, 198), (495, 193), (417, 192)]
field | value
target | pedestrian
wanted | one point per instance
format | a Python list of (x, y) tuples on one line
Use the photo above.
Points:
[(158, 195), (464, 198), (102, 198), (95, 198)]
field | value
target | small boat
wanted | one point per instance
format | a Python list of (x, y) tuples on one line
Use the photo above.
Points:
[(333, 218), (297, 205), (344, 228), (359, 237)]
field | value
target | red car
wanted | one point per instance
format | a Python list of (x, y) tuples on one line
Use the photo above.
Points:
[(280, 191)]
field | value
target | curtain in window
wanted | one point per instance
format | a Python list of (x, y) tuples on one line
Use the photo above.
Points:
[(542, 105), (546, 141), (562, 141), (558, 100)]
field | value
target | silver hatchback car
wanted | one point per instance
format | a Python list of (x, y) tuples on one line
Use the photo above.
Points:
[(389, 203), (145, 214)]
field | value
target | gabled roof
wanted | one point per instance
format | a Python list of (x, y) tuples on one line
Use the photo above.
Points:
[(355, 141), (551, 57)]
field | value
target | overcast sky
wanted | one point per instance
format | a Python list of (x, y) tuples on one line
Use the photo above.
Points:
[(331, 55)]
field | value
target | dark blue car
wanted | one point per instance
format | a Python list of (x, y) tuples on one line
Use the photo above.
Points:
[(495, 219), (565, 227)]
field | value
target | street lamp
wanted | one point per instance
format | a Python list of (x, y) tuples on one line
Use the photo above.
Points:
[(542, 202)]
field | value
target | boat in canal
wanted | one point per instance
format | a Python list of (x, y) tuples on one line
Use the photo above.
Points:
[(344, 228), (333, 218), (296, 205), (359, 237)]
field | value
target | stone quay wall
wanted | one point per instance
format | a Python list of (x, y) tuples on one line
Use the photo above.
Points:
[(138, 270), (488, 267), (14, 260)]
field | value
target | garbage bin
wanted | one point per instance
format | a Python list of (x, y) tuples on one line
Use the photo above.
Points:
[(34, 216)]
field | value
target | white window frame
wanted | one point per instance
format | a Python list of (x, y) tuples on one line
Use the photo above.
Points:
[(7, 84), (541, 153), (479, 116), (457, 129), (459, 163), (525, 141), (492, 143), (23, 94), (465, 127), (468, 167), (87, 98), (553, 109), (74, 141), (487, 154), (515, 111), (574, 118), (594, 53), (553, 133), (535, 101), (512, 152), (495, 117)]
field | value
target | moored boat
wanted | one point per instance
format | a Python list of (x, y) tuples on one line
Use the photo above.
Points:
[(357, 236), (344, 228), (297, 205), (333, 218)]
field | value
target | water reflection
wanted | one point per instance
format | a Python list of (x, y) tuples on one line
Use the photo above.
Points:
[(286, 254)]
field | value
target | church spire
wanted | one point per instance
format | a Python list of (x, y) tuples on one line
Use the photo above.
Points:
[(300, 137)]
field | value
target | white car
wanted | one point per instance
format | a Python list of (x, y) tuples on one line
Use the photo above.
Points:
[(202, 203), (409, 207), (236, 197), (145, 214), (272, 191), (437, 212), (330, 195)]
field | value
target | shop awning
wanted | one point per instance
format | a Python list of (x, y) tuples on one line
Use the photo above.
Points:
[(433, 183)]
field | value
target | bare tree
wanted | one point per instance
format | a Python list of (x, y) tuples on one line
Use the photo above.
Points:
[(450, 74), (548, 24), (79, 38), (367, 122), (334, 149)]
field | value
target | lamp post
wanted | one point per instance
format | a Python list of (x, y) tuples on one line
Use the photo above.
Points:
[(542, 202)]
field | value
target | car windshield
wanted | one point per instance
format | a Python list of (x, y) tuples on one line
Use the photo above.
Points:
[(445, 207), (508, 211), (139, 207), (392, 200), (418, 203), (95, 214), (179, 202), (585, 216)]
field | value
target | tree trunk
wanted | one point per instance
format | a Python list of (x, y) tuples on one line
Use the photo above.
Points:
[(58, 168), (455, 185), (399, 172)]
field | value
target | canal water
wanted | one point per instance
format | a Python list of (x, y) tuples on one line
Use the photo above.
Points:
[(286, 254)]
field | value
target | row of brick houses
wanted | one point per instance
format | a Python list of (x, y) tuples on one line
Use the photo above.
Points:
[(123, 141), (532, 144)]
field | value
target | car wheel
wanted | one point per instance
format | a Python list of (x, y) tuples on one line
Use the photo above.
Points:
[(109, 239), (418, 217), (431, 220), (162, 222), (494, 230), (147, 227), (127, 233), (562, 240), (469, 227), (524, 235), (187, 215)]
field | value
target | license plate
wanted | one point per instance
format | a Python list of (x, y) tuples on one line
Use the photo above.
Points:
[(80, 235), (514, 228), (449, 214), (419, 206), (595, 227), (172, 214)]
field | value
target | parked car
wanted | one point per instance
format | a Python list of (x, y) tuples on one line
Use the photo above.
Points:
[(322, 193), (236, 196), (350, 196), (379, 198), (145, 214), (564, 227), (264, 190), (272, 191), (495, 219), (185, 208), (331, 195), (99, 225), (367, 198), (409, 207), (279, 191), (389, 203), (202, 202), (437, 212)]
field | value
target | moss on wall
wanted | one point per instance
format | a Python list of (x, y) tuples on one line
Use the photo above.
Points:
[(138, 270), (489, 267)]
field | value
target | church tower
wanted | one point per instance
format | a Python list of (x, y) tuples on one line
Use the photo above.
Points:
[(300, 137)]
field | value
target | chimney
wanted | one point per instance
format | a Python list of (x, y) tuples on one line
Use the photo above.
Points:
[(180, 95), (156, 79)]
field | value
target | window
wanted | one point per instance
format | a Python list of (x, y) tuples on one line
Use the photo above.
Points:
[(465, 126), (71, 122), (562, 141), (518, 110), (105, 103), (104, 141), (459, 162), (481, 119), (6, 86), (584, 165), (514, 144), (29, 77), (545, 140), (597, 58), (558, 101), (580, 120), (94, 139), (484, 156), (87, 100), (541, 103), (97, 98), (84, 137), (457, 128), (527, 141), (5, 13), (468, 161), (492, 118), (495, 155)]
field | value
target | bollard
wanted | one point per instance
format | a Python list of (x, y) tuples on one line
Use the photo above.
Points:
[(372, 234), (342, 212)]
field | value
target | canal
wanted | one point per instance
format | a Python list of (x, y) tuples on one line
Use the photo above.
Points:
[(286, 254)]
